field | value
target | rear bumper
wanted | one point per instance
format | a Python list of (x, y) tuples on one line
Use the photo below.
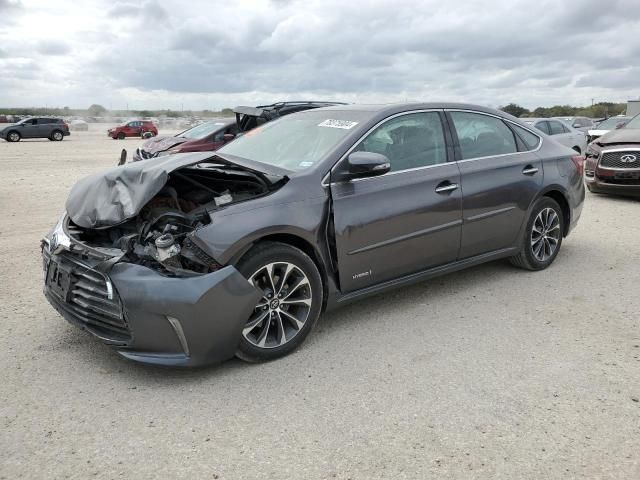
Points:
[(168, 321)]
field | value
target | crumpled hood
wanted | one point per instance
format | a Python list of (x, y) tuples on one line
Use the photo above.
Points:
[(160, 144), (108, 198), (621, 135), (113, 196)]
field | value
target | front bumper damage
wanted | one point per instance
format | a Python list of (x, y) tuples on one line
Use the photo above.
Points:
[(148, 317)]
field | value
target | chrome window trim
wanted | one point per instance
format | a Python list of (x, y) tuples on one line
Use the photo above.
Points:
[(504, 120), (395, 115), (325, 179)]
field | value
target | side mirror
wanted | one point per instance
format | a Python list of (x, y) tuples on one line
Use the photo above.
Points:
[(362, 165), (227, 137), (620, 125)]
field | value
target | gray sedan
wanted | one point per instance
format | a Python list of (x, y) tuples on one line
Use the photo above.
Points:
[(197, 257), (560, 131)]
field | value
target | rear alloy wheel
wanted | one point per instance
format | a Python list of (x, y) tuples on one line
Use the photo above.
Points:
[(543, 237), (13, 137), (290, 305), (57, 136)]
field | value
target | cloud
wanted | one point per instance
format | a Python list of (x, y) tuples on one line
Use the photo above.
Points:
[(533, 53), (53, 47)]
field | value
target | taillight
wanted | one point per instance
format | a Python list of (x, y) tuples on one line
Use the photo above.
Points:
[(578, 161)]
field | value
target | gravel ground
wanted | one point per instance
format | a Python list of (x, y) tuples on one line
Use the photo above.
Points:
[(488, 373)]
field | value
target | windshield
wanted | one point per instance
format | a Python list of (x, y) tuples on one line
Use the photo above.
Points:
[(298, 141), (633, 123), (610, 123), (202, 130)]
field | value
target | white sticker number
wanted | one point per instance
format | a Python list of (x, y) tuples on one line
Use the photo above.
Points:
[(345, 124)]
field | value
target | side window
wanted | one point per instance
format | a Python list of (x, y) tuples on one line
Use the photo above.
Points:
[(409, 141), (482, 136), (219, 136), (556, 128), (543, 127), (530, 140)]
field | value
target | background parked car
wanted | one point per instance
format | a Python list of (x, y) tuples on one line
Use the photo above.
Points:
[(55, 129), (251, 117), (606, 126), (135, 128), (79, 125), (612, 162), (560, 131), (207, 136), (583, 124)]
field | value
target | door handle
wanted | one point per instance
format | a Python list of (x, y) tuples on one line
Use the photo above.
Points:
[(446, 187), (529, 170)]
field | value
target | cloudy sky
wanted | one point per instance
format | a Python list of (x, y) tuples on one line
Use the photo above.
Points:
[(212, 54)]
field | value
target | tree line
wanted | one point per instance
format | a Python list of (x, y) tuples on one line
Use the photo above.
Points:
[(96, 110), (597, 110)]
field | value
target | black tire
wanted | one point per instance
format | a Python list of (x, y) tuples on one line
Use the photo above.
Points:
[(254, 261), (56, 136), (121, 136), (527, 257), (13, 136)]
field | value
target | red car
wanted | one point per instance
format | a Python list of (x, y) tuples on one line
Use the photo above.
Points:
[(136, 128), (205, 137)]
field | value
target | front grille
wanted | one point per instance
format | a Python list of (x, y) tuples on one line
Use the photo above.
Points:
[(621, 160), (88, 302)]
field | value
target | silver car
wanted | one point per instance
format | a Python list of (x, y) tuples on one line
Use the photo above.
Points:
[(560, 131), (583, 124), (611, 123)]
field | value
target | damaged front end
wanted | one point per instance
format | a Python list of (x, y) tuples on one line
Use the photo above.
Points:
[(126, 263)]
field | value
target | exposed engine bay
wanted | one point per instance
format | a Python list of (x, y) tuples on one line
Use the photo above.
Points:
[(160, 236)]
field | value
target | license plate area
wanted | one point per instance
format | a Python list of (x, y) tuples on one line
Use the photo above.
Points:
[(627, 175), (58, 280)]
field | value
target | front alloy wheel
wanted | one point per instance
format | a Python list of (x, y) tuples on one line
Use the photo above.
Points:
[(284, 308), (292, 297)]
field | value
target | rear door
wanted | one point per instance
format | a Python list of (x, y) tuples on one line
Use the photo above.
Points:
[(500, 177), (45, 126), (562, 134), (406, 220)]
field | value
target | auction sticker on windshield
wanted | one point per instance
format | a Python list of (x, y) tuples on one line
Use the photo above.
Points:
[(346, 124)]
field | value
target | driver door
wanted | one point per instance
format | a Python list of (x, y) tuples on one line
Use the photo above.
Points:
[(30, 129), (133, 129), (406, 220)]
